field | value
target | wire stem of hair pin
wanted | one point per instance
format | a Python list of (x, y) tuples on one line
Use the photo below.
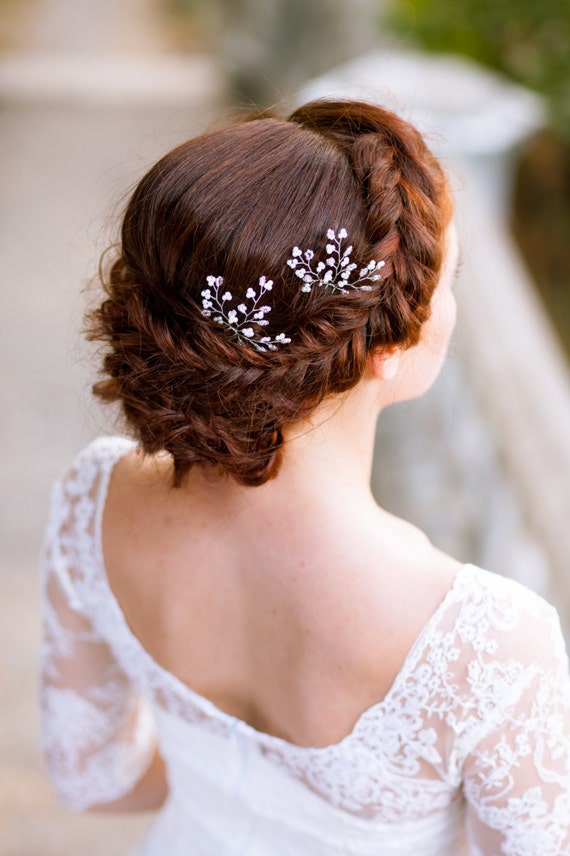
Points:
[(334, 273)]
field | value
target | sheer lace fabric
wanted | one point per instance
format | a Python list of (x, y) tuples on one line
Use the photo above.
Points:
[(468, 753)]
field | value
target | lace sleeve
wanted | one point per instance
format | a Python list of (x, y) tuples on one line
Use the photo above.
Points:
[(517, 777), (97, 730)]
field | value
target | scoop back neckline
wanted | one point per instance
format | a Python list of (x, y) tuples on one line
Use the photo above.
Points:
[(209, 708)]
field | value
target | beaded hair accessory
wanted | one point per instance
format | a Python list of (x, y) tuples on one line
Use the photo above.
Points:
[(239, 320), (334, 273)]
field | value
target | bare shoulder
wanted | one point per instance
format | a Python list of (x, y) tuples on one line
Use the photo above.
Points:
[(138, 494), (428, 567), (135, 470), (137, 482)]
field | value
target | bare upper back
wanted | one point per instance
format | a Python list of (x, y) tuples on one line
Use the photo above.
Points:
[(293, 622)]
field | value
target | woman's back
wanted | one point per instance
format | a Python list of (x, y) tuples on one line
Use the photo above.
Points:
[(468, 744), (293, 620)]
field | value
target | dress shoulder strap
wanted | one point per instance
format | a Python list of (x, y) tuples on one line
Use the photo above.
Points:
[(72, 549)]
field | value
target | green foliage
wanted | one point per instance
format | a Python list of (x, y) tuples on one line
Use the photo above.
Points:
[(526, 39)]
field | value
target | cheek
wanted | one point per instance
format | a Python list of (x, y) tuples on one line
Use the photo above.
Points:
[(444, 316), (421, 364), (451, 315)]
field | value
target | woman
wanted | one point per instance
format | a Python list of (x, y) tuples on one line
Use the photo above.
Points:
[(235, 632)]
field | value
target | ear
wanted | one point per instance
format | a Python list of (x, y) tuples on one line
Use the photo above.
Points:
[(384, 362)]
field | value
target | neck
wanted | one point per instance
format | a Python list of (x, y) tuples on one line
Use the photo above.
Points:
[(334, 449), (327, 461), (326, 466)]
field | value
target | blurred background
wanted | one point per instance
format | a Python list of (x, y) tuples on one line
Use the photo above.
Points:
[(93, 91)]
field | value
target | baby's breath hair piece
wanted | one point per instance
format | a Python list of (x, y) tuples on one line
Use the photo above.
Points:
[(334, 273), (244, 317), (336, 270)]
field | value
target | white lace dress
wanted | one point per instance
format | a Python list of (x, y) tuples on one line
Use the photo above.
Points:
[(469, 752)]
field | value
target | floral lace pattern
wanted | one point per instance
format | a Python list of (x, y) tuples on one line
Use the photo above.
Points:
[(479, 712)]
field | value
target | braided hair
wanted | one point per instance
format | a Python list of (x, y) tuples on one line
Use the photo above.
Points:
[(233, 203)]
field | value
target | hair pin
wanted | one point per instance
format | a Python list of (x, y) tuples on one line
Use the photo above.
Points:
[(334, 273), (240, 319)]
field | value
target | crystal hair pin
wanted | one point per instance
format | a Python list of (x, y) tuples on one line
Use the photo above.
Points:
[(240, 319), (334, 273)]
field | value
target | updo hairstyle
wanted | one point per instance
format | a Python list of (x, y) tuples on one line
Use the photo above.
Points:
[(233, 203)]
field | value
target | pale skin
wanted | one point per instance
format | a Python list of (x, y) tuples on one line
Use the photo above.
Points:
[(291, 605)]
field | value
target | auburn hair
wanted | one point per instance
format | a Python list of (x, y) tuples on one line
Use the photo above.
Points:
[(233, 203)]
